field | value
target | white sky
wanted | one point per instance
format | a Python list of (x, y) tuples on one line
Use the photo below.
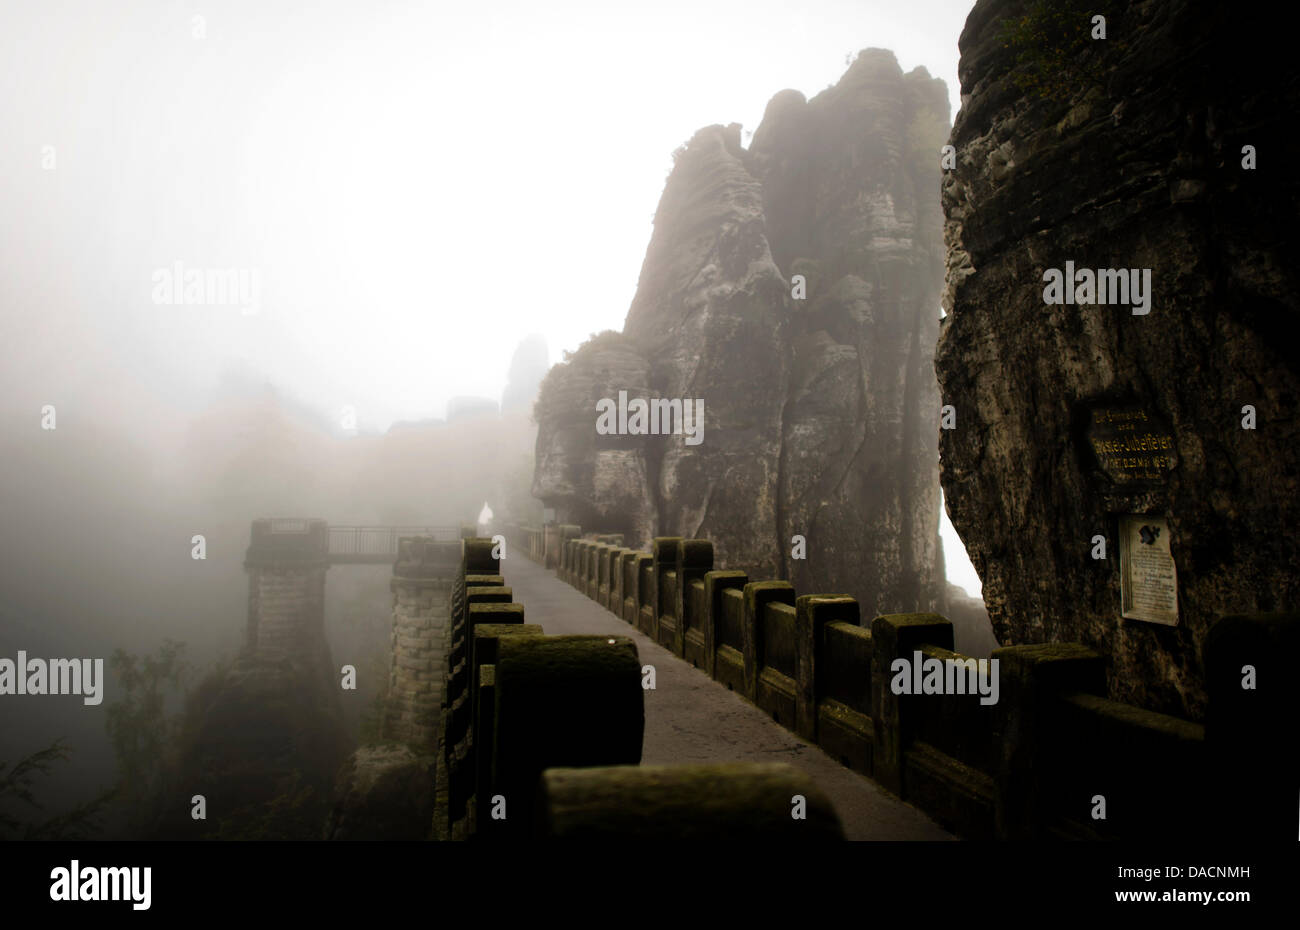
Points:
[(418, 185)]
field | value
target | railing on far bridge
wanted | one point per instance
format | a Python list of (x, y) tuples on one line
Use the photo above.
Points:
[(378, 544)]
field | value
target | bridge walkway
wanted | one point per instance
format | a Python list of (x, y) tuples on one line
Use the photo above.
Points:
[(689, 717)]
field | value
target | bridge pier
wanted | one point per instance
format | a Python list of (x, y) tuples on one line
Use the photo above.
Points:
[(286, 563), (424, 578)]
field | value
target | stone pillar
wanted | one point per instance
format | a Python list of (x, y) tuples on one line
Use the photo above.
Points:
[(566, 533), (663, 626), (758, 594), (550, 537), (694, 561), (812, 613), (484, 638), (286, 563), (1250, 665), (423, 581), (572, 701), (714, 584), (1027, 729), (897, 636)]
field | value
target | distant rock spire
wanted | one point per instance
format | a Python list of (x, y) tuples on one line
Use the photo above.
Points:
[(791, 287), (527, 368)]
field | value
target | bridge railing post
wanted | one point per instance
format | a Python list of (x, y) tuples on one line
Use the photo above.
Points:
[(694, 561), (580, 569), (632, 586), (578, 577), (550, 536), (1253, 696), (603, 554), (589, 568), (486, 639), (812, 613), (665, 626), (897, 636), (615, 604), (568, 533), (598, 550), (1032, 679), (593, 715), (715, 582), (645, 598), (758, 594)]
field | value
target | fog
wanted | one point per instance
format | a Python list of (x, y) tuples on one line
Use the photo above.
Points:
[(405, 190)]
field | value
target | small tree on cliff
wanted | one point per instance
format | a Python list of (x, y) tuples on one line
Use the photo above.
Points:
[(1056, 56)]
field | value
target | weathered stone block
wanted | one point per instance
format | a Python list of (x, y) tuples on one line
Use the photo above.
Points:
[(735, 801), (757, 595), (895, 636), (570, 701)]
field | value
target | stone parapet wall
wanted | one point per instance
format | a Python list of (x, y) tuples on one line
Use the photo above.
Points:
[(1027, 765)]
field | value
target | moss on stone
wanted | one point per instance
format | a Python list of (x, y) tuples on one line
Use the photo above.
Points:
[(740, 800)]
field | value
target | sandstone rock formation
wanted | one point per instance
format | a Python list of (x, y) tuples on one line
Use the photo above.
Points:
[(465, 407), (821, 409), (594, 480), (1125, 155), (527, 369)]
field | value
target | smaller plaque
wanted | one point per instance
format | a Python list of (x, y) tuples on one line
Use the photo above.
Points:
[(1148, 582)]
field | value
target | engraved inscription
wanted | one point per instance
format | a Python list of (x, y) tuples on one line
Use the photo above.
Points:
[(1131, 444)]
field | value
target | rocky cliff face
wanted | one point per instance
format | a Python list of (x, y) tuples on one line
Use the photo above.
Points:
[(590, 479), (821, 408), (1122, 153)]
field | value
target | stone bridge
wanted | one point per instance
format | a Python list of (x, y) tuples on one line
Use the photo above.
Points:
[(564, 685)]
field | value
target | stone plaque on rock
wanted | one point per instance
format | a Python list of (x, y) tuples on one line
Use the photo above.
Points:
[(1132, 444), (1148, 581)]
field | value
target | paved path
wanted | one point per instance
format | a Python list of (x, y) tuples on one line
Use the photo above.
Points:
[(689, 717)]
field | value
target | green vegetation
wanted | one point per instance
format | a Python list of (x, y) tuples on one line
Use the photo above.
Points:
[(606, 338), (140, 733), (371, 730), (297, 812), (1056, 56), (137, 723), (17, 790)]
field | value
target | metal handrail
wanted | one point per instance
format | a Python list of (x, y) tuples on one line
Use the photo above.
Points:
[(381, 540)]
